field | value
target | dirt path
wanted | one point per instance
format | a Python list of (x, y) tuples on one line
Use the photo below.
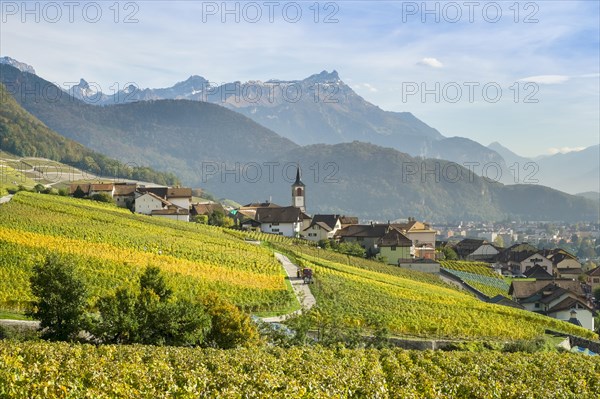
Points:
[(302, 291)]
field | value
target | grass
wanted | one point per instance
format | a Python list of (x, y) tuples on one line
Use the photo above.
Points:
[(294, 306), (13, 316)]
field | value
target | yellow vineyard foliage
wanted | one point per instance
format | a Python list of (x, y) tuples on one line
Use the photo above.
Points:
[(58, 370)]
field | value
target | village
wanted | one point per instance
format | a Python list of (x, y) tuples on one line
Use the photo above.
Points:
[(553, 282)]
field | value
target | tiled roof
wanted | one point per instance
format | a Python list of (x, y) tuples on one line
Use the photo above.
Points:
[(394, 238), (539, 273), (567, 304), (171, 211), (205, 209), (525, 289), (468, 246), (594, 272), (363, 230), (256, 205), (326, 222), (125, 189), (179, 192), (287, 214)]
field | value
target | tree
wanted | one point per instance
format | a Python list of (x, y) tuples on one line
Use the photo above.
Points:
[(153, 280), (38, 188), (499, 241), (201, 219), (118, 323), (449, 253), (61, 299), (78, 193), (351, 248), (218, 218), (230, 326), (597, 294), (102, 197), (153, 317)]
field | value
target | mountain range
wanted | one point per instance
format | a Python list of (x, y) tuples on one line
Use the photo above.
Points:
[(318, 109), (323, 109), (229, 154)]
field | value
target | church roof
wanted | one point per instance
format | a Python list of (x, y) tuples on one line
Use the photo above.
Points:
[(298, 181)]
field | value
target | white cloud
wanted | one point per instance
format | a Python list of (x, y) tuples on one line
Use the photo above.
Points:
[(546, 79), (366, 86), (564, 150), (431, 62)]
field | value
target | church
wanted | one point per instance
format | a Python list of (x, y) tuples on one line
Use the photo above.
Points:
[(271, 218)]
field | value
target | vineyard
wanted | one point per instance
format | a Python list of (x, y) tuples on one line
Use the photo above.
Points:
[(111, 247), (415, 304), (56, 370), (480, 268), (478, 275)]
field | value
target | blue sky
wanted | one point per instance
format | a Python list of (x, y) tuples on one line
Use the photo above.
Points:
[(382, 49)]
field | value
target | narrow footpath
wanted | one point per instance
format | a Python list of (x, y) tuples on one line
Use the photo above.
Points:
[(302, 291), (5, 199)]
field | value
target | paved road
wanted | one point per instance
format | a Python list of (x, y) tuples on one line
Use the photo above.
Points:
[(20, 324), (5, 199), (302, 291)]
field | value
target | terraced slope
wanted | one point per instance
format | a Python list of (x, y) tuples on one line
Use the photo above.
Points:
[(111, 246)]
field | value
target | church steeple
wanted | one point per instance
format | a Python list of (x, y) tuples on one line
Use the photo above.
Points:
[(298, 191)]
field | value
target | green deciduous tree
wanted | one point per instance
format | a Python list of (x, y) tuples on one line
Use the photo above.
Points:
[(154, 316), (449, 253), (230, 326), (61, 299)]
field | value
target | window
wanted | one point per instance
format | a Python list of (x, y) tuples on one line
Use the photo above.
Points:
[(393, 248), (596, 280), (298, 192), (537, 305), (275, 230)]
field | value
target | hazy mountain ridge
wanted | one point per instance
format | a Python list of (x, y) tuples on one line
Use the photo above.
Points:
[(572, 172)]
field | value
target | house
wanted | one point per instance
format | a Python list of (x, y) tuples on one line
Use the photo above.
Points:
[(245, 216), (557, 299), (569, 272), (90, 189), (510, 258), (476, 250), (348, 220), (172, 212), (285, 220), (206, 208), (467, 246), (421, 235), (124, 195), (536, 259), (395, 247), (366, 235), (147, 202), (519, 258), (565, 264), (593, 278), (179, 196), (539, 273), (322, 227)]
